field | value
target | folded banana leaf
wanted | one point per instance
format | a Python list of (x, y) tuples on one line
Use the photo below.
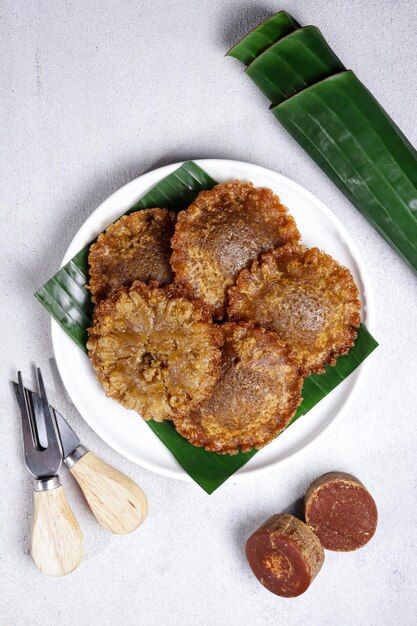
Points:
[(66, 298), (355, 142), (296, 61), (263, 36), (344, 129)]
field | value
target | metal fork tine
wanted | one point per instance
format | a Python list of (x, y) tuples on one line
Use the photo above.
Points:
[(35, 406), (49, 419), (27, 423)]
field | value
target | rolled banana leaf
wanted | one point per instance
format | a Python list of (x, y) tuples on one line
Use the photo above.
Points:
[(296, 61), (263, 36), (343, 128)]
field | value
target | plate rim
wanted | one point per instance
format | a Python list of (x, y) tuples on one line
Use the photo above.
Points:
[(179, 473)]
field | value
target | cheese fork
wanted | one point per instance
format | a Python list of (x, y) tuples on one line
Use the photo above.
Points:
[(57, 542), (117, 502)]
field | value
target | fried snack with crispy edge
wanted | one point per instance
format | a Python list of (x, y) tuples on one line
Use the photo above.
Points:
[(155, 351), (305, 296), (136, 247), (220, 233), (254, 399)]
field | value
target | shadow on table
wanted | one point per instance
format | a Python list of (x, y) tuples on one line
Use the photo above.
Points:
[(236, 23)]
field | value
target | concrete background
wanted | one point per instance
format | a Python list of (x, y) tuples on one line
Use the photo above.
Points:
[(92, 95)]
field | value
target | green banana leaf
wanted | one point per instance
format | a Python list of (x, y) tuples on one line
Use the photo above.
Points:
[(296, 61), (66, 298), (343, 128), (263, 36)]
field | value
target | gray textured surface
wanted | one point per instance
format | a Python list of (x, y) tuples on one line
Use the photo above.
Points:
[(94, 94)]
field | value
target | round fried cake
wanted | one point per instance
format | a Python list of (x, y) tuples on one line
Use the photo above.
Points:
[(154, 350), (136, 247), (255, 397), (220, 233), (305, 296)]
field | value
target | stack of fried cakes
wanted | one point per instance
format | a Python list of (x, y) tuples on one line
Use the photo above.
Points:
[(212, 317)]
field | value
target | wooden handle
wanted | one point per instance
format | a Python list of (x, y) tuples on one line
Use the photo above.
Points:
[(57, 540), (117, 502)]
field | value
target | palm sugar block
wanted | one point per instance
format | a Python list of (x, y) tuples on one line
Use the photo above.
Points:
[(340, 511), (285, 555)]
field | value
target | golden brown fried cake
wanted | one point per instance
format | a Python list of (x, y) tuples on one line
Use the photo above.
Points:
[(154, 350), (220, 233), (136, 247), (253, 400), (305, 296)]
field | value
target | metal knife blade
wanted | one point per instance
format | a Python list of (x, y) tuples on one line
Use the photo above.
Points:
[(69, 439)]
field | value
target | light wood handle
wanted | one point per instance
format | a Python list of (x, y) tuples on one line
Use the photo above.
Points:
[(57, 540), (117, 502)]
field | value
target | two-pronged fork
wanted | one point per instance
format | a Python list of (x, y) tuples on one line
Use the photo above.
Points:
[(117, 502), (57, 541)]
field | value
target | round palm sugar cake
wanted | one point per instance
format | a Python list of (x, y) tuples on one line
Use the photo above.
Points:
[(154, 350), (254, 398), (285, 555), (136, 247), (220, 233), (340, 511), (306, 297)]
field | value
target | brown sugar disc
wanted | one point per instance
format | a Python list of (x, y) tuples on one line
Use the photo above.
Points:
[(254, 398), (341, 511), (154, 351), (305, 296), (285, 555), (221, 232), (136, 247)]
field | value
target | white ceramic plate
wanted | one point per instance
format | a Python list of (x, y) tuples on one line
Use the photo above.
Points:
[(123, 429)]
